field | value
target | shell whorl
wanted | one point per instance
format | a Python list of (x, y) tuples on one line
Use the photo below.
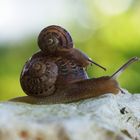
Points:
[(38, 77), (52, 37)]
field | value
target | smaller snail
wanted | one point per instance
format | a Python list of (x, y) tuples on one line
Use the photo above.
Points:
[(55, 40)]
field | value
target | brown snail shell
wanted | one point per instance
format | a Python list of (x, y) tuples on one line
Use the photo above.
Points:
[(42, 75), (54, 37), (38, 77)]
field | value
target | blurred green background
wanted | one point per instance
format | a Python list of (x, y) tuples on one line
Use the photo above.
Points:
[(108, 31)]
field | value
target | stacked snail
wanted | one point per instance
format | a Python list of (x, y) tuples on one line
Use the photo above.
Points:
[(56, 73)]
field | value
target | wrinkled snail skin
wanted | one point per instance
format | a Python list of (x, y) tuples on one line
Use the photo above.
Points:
[(76, 91)]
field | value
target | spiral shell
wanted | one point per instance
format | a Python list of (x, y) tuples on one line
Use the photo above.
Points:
[(42, 74), (38, 77), (52, 37)]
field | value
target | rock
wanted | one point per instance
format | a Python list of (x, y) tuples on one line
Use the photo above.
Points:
[(108, 117)]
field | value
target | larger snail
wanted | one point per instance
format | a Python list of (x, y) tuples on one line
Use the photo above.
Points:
[(56, 74)]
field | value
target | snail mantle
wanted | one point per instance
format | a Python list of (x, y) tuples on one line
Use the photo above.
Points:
[(108, 117)]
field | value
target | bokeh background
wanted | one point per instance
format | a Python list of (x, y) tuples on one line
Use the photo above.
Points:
[(107, 30)]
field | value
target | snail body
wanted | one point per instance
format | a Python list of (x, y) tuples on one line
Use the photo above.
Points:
[(56, 74), (75, 91), (79, 90)]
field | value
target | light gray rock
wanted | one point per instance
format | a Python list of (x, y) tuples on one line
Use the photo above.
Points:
[(108, 117)]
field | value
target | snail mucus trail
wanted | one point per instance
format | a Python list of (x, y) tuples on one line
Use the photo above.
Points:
[(43, 75)]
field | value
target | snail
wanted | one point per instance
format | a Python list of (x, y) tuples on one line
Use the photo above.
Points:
[(56, 74), (57, 41)]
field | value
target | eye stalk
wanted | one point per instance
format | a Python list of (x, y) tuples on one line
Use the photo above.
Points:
[(92, 62)]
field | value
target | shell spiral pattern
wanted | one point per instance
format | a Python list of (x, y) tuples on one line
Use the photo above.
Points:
[(52, 37), (38, 77)]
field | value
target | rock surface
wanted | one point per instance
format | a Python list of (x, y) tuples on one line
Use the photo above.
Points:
[(108, 117)]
